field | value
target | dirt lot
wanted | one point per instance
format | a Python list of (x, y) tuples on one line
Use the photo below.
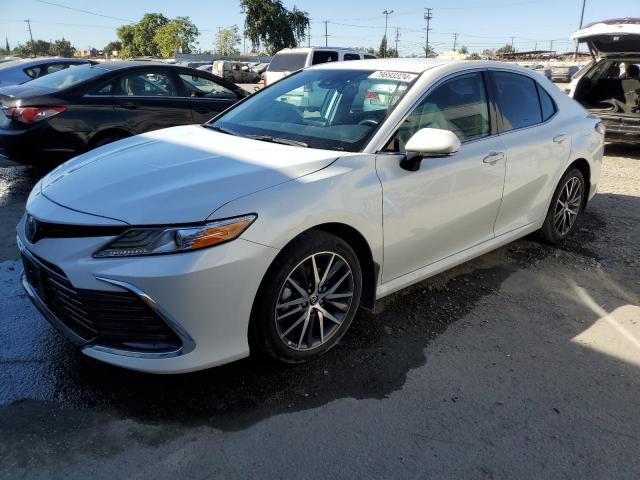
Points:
[(524, 363)]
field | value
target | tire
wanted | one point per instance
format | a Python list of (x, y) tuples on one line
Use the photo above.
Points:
[(562, 217), (287, 325)]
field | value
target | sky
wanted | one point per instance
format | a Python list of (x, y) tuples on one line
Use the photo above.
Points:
[(479, 24)]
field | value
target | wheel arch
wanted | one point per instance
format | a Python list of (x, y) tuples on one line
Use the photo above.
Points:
[(109, 132), (583, 165)]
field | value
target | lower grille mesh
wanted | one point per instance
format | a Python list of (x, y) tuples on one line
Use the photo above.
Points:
[(115, 319)]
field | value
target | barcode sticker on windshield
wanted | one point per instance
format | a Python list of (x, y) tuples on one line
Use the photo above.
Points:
[(398, 76)]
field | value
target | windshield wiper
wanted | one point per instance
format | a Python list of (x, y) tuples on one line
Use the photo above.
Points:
[(220, 129), (283, 141)]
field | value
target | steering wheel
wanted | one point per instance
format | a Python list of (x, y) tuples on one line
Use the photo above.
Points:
[(368, 122)]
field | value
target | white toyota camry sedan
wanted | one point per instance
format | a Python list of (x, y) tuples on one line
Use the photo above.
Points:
[(265, 229)]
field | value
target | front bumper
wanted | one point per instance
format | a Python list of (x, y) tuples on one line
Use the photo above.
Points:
[(205, 296)]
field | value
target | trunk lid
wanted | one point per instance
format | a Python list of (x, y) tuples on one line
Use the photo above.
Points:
[(613, 37)]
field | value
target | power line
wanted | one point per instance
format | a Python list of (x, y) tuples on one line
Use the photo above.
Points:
[(84, 11)]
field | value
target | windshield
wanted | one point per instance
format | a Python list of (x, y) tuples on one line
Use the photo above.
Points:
[(68, 77), (287, 62), (326, 109)]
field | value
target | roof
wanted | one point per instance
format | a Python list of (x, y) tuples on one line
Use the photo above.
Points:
[(29, 62), (307, 49), (118, 64), (413, 65)]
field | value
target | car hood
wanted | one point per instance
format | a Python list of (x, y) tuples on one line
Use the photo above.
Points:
[(611, 37), (175, 175)]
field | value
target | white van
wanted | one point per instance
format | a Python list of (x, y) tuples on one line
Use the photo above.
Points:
[(291, 59)]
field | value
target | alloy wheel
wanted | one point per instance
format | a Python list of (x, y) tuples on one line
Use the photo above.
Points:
[(567, 206), (314, 301)]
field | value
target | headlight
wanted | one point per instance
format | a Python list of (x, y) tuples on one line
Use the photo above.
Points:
[(151, 241)]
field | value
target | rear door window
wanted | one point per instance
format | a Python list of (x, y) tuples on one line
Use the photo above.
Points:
[(203, 87), (34, 72), (547, 105), (324, 56), (351, 56), (518, 100), (287, 62)]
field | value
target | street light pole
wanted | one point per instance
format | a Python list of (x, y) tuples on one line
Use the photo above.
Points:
[(386, 14), (427, 16)]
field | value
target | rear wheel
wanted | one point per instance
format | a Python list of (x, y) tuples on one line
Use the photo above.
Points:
[(308, 299), (566, 206)]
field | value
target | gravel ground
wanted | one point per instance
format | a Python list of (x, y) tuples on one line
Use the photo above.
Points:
[(524, 363)]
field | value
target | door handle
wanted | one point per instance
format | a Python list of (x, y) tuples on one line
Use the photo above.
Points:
[(493, 158), (560, 138)]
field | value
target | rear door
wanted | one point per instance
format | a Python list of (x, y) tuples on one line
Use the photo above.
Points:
[(611, 37), (207, 97), (150, 99), (536, 144)]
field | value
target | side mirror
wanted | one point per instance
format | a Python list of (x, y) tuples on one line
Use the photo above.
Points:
[(429, 142)]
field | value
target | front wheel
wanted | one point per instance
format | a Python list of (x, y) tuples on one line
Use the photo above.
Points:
[(308, 298), (566, 206)]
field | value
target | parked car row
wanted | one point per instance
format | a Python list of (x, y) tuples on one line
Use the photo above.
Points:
[(55, 117)]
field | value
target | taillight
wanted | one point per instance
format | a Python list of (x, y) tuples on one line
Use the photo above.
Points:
[(373, 95), (32, 114), (601, 128), (264, 80)]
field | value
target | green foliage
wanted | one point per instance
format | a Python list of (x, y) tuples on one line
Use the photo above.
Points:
[(382, 49), (506, 49), (138, 39), (62, 48), (431, 53), (474, 56), (176, 36), (488, 53), (227, 41), (57, 48), (463, 49), (270, 25), (114, 46)]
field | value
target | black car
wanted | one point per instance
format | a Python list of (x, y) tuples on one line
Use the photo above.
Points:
[(53, 118)]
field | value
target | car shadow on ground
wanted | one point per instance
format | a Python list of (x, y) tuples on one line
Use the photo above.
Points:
[(371, 361)]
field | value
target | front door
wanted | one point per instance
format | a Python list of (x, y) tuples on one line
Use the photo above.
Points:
[(451, 203), (150, 100), (206, 97)]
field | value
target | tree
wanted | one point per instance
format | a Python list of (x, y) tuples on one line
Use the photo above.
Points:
[(33, 48), (382, 49), (463, 49), (139, 38), (176, 36), (488, 53), (113, 46), (429, 54), (227, 41), (504, 50), (269, 24), (474, 56), (62, 48)]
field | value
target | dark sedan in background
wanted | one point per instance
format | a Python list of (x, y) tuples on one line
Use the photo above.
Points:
[(53, 118), (19, 71)]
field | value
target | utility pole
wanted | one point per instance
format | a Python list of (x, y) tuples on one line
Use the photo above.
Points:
[(33, 45), (397, 40), (575, 55), (326, 34), (512, 38), (427, 16), (455, 41), (550, 49), (386, 14)]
